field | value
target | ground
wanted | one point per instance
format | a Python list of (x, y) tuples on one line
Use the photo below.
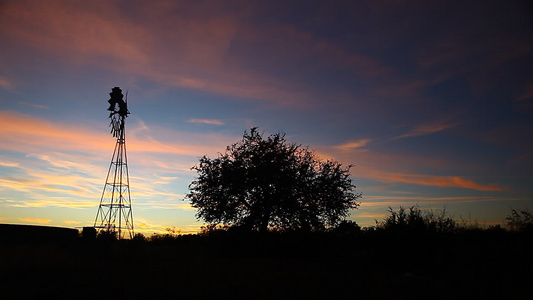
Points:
[(473, 266)]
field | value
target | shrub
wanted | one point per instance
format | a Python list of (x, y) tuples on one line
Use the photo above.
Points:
[(417, 220), (520, 220)]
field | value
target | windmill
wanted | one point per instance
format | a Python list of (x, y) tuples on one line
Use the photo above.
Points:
[(114, 212)]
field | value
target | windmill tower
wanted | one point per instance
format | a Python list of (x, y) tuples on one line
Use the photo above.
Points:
[(114, 213)]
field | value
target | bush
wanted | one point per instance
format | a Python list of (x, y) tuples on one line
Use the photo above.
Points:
[(106, 235), (347, 227), (520, 220), (416, 220)]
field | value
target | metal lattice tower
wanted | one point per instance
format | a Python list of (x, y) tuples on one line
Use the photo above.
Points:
[(114, 213)]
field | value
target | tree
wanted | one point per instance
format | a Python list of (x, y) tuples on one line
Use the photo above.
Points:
[(267, 183)]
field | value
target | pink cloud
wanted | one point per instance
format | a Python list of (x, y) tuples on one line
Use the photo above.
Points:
[(69, 28), (20, 132), (353, 144), (23, 133), (179, 44), (34, 105), (5, 83), (206, 121), (394, 168), (428, 180), (427, 129)]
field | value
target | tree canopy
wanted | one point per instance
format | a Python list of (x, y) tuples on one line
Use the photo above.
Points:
[(267, 183)]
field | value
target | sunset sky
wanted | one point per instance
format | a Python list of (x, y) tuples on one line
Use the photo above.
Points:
[(431, 101)]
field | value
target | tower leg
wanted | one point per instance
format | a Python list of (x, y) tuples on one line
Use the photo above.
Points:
[(114, 212)]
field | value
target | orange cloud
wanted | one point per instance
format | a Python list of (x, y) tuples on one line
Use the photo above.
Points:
[(23, 133), (429, 180), (63, 162), (353, 144), (20, 132), (38, 221), (148, 228)]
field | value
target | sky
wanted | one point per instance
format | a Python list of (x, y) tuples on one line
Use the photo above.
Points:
[(431, 101)]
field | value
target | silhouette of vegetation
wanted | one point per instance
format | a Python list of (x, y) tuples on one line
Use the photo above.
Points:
[(520, 220), (107, 235), (139, 238), (410, 254), (269, 184), (88, 233), (417, 220), (347, 227)]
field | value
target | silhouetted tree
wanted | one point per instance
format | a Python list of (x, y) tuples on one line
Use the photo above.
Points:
[(261, 183)]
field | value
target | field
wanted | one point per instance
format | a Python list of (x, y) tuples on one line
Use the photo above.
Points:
[(489, 264)]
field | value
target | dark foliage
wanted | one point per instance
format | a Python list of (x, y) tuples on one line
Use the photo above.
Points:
[(267, 183), (342, 263), (416, 220), (347, 227), (390, 261), (520, 220), (107, 235)]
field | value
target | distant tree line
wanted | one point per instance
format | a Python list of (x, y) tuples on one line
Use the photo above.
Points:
[(402, 221)]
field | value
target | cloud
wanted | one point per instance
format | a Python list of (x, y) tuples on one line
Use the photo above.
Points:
[(427, 129), (391, 200), (197, 46), (353, 145), (9, 164), (5, 84), (148, 228), (34, 105), (65, 202), (19, 132), (64, 165), (38, 221), (69, 28), (429, 180), (23, 133), (71, 222), (373, 215), (206, 121)]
